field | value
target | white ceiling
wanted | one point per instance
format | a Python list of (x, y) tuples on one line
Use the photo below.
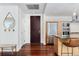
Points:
[(55, 9), (61, 9), (27, 11)]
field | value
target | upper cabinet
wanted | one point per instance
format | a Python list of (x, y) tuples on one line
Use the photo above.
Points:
[(74, 27)]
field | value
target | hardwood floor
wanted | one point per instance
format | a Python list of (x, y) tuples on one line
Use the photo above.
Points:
[(33, 50), (37, 50)]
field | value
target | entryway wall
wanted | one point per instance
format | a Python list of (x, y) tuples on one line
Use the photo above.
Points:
[(8, 37), (27, 28)]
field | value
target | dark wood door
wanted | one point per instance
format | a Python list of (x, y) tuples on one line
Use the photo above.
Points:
[(35, 29)]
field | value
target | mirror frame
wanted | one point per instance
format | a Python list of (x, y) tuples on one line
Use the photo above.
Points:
[(9, 29)]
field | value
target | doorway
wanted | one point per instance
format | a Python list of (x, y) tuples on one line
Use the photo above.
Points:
[(51, 32), (35, 29)]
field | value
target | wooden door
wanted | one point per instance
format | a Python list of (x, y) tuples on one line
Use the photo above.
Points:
[(35, 29)]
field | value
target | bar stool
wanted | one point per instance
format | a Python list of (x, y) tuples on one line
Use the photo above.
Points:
[(65, 43), (68, 52)]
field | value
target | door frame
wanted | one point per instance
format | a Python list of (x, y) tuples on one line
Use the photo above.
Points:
[(47, 29), (40, 25)]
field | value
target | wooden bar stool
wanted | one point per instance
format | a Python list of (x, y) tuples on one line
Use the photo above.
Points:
[(67, 48), (70, 42)]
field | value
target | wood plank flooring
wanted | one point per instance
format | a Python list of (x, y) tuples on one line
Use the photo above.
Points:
[(33, 50)]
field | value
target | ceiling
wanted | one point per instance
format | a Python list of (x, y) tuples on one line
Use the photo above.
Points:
[(52, 9), (61, 9), (26, 10)]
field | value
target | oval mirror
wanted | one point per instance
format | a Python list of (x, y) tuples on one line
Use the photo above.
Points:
[(9, 21)]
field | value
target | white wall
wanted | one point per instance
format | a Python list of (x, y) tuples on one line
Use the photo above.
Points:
[(27, 28), (20, 28), (8, 37)]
